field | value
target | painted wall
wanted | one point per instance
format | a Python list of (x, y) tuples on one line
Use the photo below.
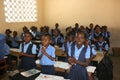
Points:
[(18, 26), (68, 12)]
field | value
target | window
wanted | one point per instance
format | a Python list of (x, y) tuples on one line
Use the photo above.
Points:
[(20, 10)]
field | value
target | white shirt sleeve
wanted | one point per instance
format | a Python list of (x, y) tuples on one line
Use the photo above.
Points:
[(87, 55), (94, 51), (34, 48)]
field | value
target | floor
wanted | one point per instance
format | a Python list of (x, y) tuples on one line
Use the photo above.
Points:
[(116, 69)]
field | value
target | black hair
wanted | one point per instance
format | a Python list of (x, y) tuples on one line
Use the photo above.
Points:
[(29, 33), (47, 35), (81, 32)]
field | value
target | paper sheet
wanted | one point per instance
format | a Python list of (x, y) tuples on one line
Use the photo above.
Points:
[(30, 72), (49, 77), (91, 69)]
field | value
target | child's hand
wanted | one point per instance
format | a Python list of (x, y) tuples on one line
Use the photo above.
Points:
[(22, 54), (43, 50), (72, 60)]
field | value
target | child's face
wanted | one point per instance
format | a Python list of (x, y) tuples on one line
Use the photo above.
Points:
[(14, 33), (80, 39), (100, 39), (70, 38), (27, 38), (45, 41), (56, 33), (97, 30)]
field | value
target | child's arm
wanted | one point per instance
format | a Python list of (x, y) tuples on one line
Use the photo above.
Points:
[(28, 55), (86, 63), (40, 56), (72, 60)]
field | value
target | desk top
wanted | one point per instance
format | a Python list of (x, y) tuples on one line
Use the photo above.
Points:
[(99, 57), (14, 49)]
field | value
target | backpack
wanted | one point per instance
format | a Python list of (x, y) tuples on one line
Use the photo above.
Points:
[(105, 69)]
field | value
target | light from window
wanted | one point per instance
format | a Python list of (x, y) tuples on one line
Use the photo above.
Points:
[(20, 10)]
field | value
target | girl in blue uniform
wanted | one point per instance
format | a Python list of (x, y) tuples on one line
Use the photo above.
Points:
[(79, 59), (28, 53), (47, 55)]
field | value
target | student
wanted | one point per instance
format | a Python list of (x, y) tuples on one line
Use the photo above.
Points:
[(79, 59), (101, 45), (67, 45), (28, 53), (25, 29), (58, 39), (8, 37), (97, 32), (15, 39), (106, 34), (92, 49), (2, 49), (47, 55)]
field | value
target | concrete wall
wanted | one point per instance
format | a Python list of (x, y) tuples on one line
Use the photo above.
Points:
[(68, 12)]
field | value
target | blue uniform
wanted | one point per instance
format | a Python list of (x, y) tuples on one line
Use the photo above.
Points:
[(27, 62), (103, 44), (14, 42), (47, 64), (78, 72), (2, 49), (59, 40)]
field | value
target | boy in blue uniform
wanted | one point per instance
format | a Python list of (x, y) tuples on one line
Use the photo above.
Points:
[(79, 59), (47, 55), (28, 53)]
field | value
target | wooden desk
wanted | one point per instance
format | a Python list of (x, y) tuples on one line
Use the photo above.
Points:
[(59, 52), (15, 52), (58, 69), (99, 57)]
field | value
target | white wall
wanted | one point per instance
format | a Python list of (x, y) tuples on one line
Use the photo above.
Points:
[(68, 12)]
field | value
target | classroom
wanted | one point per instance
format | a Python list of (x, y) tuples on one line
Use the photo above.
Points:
[(58, 38)]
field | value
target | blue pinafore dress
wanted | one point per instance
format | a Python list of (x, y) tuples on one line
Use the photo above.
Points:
[(78, 72), (27, 63)]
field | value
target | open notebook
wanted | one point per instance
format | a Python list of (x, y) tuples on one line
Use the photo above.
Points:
[(30, 72), (49, 77), (63, 65), (91, 69)]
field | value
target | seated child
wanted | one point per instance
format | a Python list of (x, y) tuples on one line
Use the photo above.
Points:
[(15, 39), (101, 45)]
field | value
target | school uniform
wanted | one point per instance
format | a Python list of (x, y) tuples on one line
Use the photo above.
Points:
[(95, 36), (106, 36), (2, 49), (46, 63), (78, 72), (15, 43), (103, 44), (27, 62), (58, 40)]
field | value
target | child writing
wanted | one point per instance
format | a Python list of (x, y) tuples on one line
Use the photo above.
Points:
[(79, 59), (28, 53), (47, 55)]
